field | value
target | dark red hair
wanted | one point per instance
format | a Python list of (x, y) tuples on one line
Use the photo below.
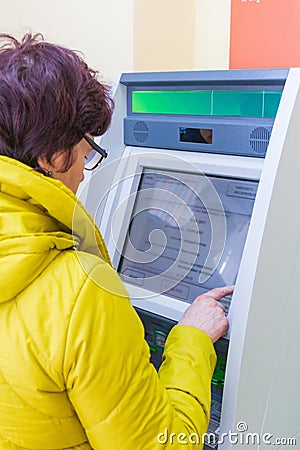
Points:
[(48, 98)]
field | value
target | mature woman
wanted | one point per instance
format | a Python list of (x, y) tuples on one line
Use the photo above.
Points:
[(74, 366)]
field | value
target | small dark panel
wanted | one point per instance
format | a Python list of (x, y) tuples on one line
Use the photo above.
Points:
[(197, 135)]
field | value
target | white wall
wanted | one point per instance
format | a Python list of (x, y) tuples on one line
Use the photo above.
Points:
[(212, 35), (101, 29)]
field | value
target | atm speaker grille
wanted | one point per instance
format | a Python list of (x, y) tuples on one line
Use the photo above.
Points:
[(259, 139), (140, 131)]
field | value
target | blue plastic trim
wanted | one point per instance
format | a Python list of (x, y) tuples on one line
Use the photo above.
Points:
[(261, 76)]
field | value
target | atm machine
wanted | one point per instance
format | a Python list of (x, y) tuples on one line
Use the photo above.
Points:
[(201, 189)]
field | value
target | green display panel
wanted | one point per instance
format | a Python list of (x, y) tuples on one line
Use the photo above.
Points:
[(262, 104), (219, 372)]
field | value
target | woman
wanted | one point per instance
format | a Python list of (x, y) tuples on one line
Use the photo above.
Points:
[(74, 366)]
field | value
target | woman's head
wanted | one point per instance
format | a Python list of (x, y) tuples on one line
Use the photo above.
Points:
[(48, 99)]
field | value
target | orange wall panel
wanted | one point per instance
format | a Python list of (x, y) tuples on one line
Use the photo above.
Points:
[(264, 33)]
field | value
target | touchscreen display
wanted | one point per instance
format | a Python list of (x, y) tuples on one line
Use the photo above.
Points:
[(187, 232)]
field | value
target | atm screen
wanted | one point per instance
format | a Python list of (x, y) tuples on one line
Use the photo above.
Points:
[(187, 232)]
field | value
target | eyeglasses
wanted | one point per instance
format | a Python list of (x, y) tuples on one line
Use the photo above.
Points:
[(96, 155)]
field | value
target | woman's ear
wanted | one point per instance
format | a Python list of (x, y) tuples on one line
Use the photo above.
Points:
[(44, 164), (56, 164)]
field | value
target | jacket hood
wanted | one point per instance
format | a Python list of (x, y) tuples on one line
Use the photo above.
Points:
[(39, 217)]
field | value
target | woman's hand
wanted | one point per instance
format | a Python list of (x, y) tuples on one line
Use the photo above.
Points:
[(208, 314)]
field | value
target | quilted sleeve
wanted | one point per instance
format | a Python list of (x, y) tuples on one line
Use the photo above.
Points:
[(120, 400)]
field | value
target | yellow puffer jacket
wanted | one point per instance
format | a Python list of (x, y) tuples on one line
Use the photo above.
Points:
[(74, 366)]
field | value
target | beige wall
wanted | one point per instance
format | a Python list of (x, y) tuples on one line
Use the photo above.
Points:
[(125, 35), (101, 29), (181, 35), (164, 34)]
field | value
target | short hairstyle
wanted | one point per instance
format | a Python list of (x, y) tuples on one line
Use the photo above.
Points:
[(48, 98)]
